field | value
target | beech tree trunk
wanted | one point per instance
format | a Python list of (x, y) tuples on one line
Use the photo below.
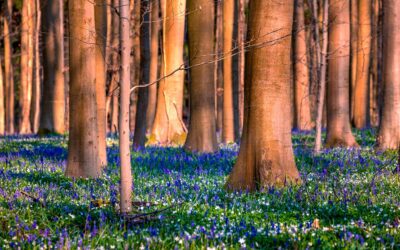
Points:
[(389, 131), (52, 117), (266, 155), (100, 12), (37, 80), (83, 152), (338, 109), (219, 85), (2, 109), (139, 138), (354, 52), (228, 131), (124, 150), (363, 64), (25, 91), (202, 135), (154, 44), (241, 59), (168, 127), (301, 75), (8, 69)]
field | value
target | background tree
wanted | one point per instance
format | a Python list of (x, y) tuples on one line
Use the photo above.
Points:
[(301, 75), (83, 154), (389, 131), (228, 130), (339, 129), (52, 116), (168, 126), (202, 135), (266, 155), (360, 108), (2, 110), (37, 78), (8, 69)]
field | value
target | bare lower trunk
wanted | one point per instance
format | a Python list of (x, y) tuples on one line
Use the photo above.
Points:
[(354, 52), (374, 72), (389, 131), (139, 138), (8, 69), (101, 69), (360, 108), (53, 105), (301, 75), (338, 108), (241, 59), (154, 42), (228, 131), (266, 155), (168, 127), (124, 150), (37, 81), (202, 130), (2, 110), (83, 154), (219, 65)]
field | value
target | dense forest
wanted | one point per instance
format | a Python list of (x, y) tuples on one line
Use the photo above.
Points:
[(210, 124)]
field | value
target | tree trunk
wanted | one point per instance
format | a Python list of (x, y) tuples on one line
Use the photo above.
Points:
[(241, 59), (322, 88), (8, 69), (338, 108), (37, 81), (154, 42), (27, 50), (354, 53), (83, 153), (52, 118), (363, 64), (389, 131), (266, 155), (301, 75), (2, 109), (374, 72), (219, 65), (139, 138), (202, 135), (168, 127), (124, 150), (228, 131), (100, 12)]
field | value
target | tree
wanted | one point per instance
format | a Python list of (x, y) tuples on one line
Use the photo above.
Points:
[(124, 150), (83, 154), (353, 51), (168, 127), (52, 117), (8, 69), (389, 131), (37, 78), (139, 137), (360, 108), (228, 130), (266, 155), (202, 135), (338, 108), (154, 40), (100, 13), (301, 75), (27, 51), (2, 110)]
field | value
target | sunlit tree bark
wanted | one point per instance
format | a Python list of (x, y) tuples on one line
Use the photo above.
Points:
[(2, 109), (8, 69), (266, 155), (37, 79)]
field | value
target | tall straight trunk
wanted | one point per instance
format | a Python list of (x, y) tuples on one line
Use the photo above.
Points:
[(228, 131), (363, 64), (202, 135), (154, 44), (241, 59), (389, 131), (8, 69), (115, 110), (374, 72), (219, 85), (83, 154), (53, 104), (266, 156), (354, 52), (322, 86), (168, 127), (27, 50), (301, 75), (338, 108), (2, 108), (124, 150), (37, 80), (139, 138), (100, 13)]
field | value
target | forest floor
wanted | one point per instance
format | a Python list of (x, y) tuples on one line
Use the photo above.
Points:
[(349, 198)]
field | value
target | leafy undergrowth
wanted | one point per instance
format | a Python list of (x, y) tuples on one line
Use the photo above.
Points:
[(350, 198)]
